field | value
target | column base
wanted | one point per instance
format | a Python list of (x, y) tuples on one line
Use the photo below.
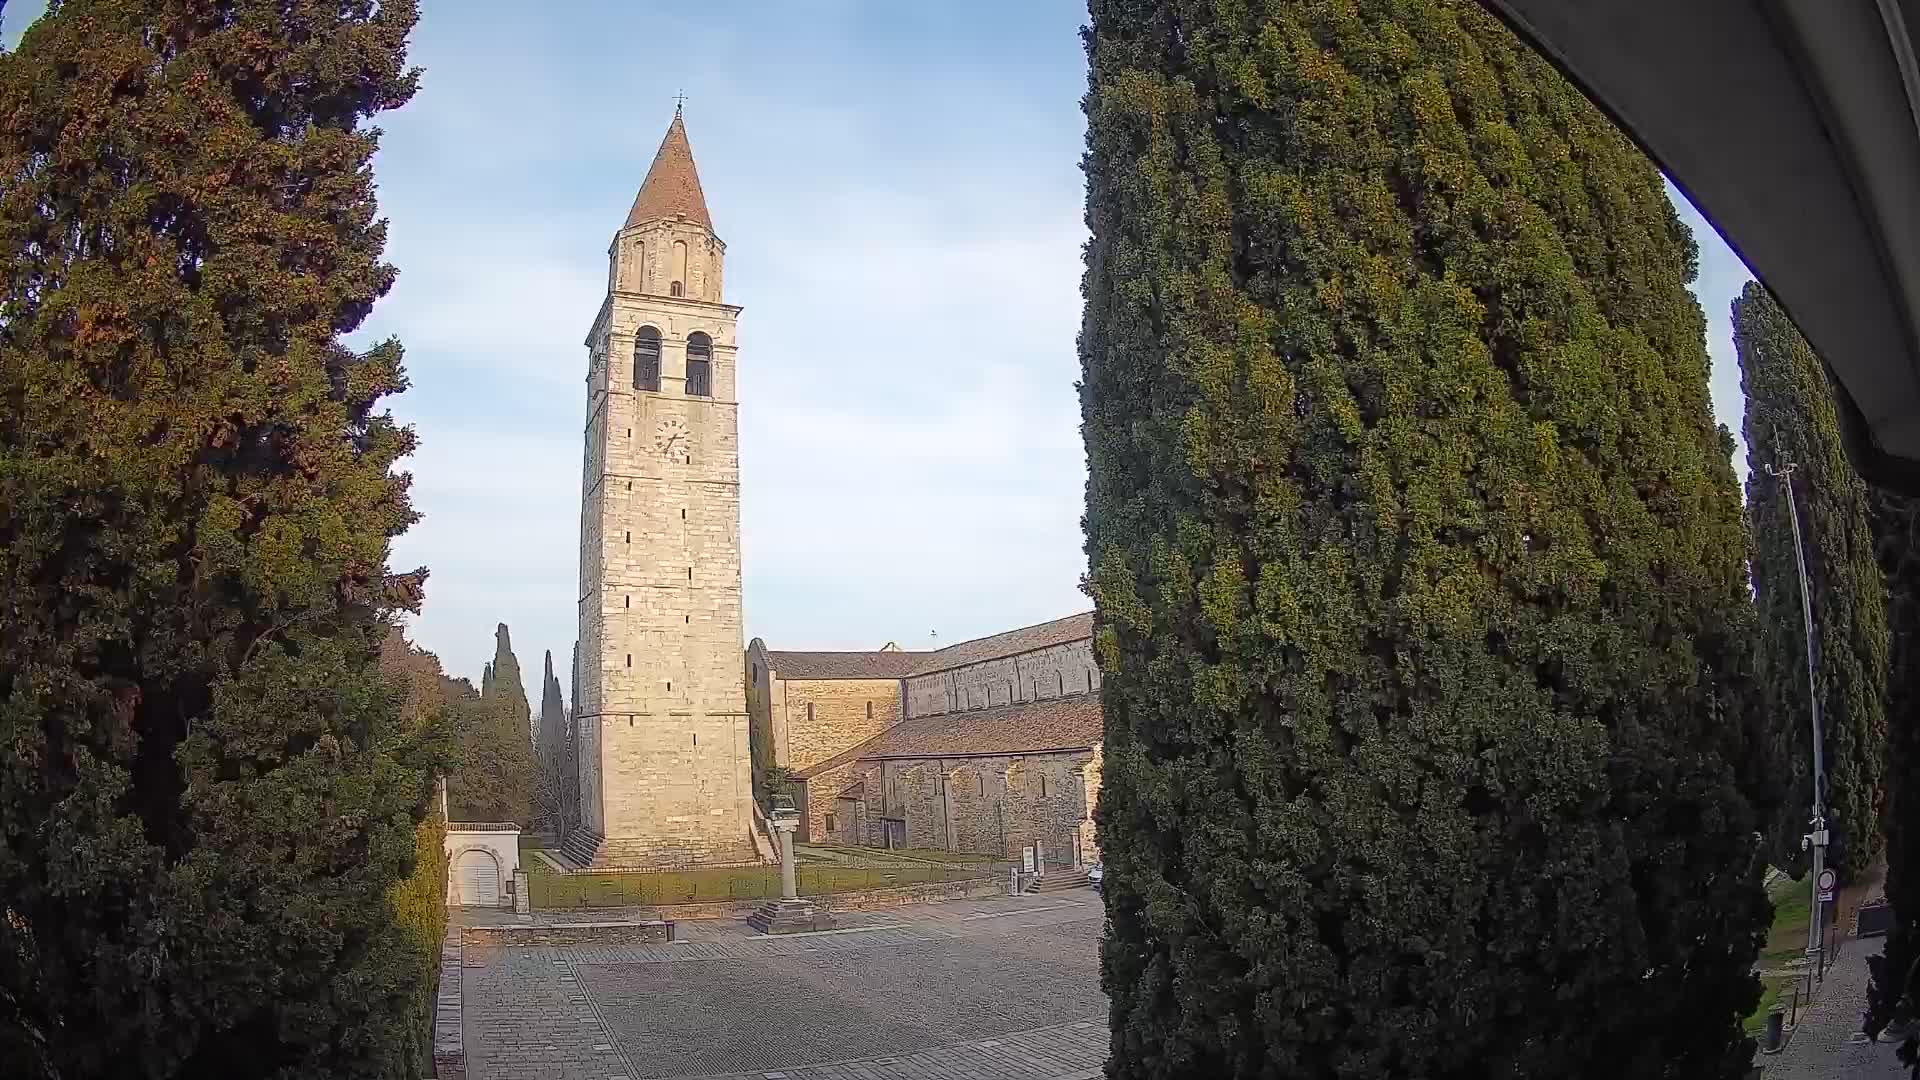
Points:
[(790, 917)]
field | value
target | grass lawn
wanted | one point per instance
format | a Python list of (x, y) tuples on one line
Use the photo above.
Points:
[(1786, 943), (867, 856), (930, 855), (551, 890), (1792, 910), (1772, 992)]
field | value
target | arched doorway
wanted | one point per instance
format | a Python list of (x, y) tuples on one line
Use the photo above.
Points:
[(478, 875)]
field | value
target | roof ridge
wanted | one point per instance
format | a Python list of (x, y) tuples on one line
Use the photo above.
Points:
[(1014, 630)]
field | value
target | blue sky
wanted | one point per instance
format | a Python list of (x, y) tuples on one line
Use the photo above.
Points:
[(899, 189)]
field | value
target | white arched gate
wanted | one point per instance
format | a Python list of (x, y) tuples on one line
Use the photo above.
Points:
[(479, 876)]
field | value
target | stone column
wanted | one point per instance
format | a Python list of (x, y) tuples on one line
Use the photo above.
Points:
[(784, 827), (788, 914)]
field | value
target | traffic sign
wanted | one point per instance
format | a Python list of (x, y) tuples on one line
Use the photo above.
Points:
[(1827, 882)]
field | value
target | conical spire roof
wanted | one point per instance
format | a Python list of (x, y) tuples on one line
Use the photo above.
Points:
[(673, 184)]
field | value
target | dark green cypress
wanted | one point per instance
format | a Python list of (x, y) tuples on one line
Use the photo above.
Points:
[(208, 791), (1791, 418), (1894, 994), (1419, 563), (494, 780)]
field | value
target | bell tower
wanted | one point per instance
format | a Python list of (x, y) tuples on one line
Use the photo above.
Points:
[(665, 778)]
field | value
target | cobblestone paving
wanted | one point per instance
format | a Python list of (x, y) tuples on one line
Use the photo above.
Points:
[(1006, 990), (1828, 1042)]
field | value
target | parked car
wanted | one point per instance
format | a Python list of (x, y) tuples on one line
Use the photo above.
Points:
[(1096, 874)]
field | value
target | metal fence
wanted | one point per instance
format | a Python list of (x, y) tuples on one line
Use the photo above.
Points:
[(842, 872)]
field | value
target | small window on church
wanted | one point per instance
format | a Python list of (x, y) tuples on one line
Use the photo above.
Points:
[(646, 360), (629, 659), (629, 600), (1063, 681), (1043, 785), (983, 783), (699, 365), (869, 710), (676, 289), (809, 712), (829, 823)]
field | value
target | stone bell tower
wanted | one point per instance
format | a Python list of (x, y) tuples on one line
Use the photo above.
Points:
[(665, 778)]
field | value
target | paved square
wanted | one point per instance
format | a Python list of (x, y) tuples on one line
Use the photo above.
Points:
[(994, 989)]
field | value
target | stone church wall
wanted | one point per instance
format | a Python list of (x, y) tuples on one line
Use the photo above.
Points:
[(992, 805), (824, 717), (1031, 676)]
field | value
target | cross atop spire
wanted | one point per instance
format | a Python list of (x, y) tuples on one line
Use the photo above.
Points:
[(672, 186), (679, 99)]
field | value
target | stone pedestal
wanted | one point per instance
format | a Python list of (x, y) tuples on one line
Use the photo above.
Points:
[(786, 916)]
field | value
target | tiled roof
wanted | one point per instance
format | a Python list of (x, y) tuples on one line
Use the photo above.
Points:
[(842, 665), (673, 184), (1025, 639), (1027, 727), (892, 663)]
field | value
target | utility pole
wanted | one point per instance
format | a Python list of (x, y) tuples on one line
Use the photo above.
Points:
[(1816, 840)]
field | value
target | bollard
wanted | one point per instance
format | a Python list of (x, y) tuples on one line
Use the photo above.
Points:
[(1775, 1035)]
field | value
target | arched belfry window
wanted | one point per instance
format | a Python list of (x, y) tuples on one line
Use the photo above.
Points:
[(646, 359), (699, 365)]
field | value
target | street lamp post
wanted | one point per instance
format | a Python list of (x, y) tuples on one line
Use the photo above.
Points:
[(1816, 840)]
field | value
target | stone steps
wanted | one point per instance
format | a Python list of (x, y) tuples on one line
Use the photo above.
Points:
[(1058, 881), (580, 849)]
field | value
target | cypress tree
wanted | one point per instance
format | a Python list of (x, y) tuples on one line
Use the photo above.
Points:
[(1894, 994), (207, 790), (1431, 747), (494, 780), (1791, 418), (570, 757), (549, 748)]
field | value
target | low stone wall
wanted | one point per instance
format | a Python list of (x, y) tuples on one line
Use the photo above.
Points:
[(613, 932), (449, 1040)]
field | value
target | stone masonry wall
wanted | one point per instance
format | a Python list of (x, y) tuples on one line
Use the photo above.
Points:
[(823, 717), (660, 610), (992, 805), (1029, 676), (821, 791)]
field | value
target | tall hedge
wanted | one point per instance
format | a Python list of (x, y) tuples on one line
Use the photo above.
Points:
[(1431, 738), (419, 901), (1895, 989), (207, 790), (1791, 419)]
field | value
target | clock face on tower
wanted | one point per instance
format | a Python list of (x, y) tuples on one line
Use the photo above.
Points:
[(670, 438)]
